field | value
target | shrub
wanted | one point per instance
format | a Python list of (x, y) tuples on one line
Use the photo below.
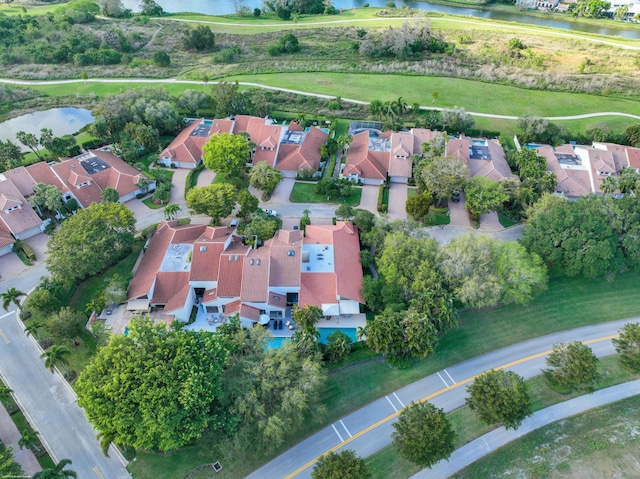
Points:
[(390, 5), (161, 59), (28, 251), (283, 13), (306, 174), (257, 12)]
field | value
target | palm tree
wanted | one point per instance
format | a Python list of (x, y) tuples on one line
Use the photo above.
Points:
[(57, 472), (344, 141), (5, 392), (12, 295), (171, 211), (29, 440), (32, 329), (56, 356), (609, 185)]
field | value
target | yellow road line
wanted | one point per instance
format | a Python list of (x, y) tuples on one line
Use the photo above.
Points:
[(431, 396), (98, 473), (4, 336)]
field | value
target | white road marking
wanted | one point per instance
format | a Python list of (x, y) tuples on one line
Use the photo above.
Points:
[(5, 315), (98, 473), (394, 408), (485, 443), (445, 382), (401, 403), (345, 428), (447, 373), (336, 431), (6, 340)]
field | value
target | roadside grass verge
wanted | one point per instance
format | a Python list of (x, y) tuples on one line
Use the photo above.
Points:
[(505, 221), (305, 193), (602, 439), (473, 95), (148, 202), (388, 462)]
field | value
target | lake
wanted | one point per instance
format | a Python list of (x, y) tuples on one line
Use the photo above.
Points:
[(62, 121), (225, 7)]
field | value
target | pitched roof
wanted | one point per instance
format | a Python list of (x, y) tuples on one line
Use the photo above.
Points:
[(167, 284), (71, 173), (42, 173), (167, 232), (292, 157), (267, 144), (206, 253), (487, 159), (179, 294), (402, 148), (186, 147), (120, 176), (21, 179), (285, 255), (571, 182), (5, 236), (317, 289), (230, 271), (221, 126), (255, 276), (20, 219), (363, 162), (420, 136)]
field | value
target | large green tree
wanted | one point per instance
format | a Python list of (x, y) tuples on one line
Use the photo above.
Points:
[(456, 119), (226, 154), (66, 325), (11, 296), (8, 466), (500, 397), (156, 388), (265, 177), (577, 238), (443, 175), (572, 366), (340, 465), (482, 195), (423, 434), (628, 347), (91, 240), (217, 200), (306, 335), (483, 272)]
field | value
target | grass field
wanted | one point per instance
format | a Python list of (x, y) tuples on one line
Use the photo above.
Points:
[(305, 193), (599, 443), (388, 463), (472, 95)]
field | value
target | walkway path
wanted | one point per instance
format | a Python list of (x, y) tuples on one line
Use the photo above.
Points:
[(497, 438), (9, 435), (298, 92), (369, 429)]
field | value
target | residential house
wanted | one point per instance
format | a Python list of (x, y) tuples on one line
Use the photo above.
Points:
[(368, 157), (17, 218), (300, 149), (623, 156), (483, 157), (185, 151), (573, 176), (210, 268)]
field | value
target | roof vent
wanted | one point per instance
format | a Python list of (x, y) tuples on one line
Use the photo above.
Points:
[(203, 249), (291, 253)]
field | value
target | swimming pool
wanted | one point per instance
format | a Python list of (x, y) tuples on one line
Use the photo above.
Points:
[(324, 333)]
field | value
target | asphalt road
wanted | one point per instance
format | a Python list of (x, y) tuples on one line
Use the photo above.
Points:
[(369, 429), (51, 404)]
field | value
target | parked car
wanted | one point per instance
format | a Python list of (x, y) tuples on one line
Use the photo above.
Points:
[(109, 308), (270, 212), (455, 197)]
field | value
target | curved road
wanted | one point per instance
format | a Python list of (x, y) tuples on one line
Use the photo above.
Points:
[(297, 92), (369, 429)]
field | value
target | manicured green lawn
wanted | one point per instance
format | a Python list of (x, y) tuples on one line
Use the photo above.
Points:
[(148, 202), (472, 95), (506, 221), (567, 303), (388, 463), (305, 193)]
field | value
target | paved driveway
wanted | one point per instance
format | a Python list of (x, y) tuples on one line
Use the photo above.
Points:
[(458, 213), (179, 180), (282, 194), (490, 222), (398, 193), (205, 178), (369, 199)]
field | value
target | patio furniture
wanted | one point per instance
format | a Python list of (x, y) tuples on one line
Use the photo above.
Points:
[(288, 323), (291, 327)]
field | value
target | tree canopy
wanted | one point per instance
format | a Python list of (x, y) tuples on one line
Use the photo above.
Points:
[(155, 388), (628, 347), (226, 154), (90, 240), (482, 195), (217, 200), (572, 366), (265, 177), (500, 397), (340, 465), (443, 175), (423, 434)]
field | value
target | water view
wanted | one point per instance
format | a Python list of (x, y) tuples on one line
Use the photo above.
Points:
[(62, 121), (225, 7)]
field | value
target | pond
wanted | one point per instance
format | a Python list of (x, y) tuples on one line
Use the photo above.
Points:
[(62, 121), (225, 7)]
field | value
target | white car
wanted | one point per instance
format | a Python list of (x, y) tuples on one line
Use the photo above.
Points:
[(270, 212)]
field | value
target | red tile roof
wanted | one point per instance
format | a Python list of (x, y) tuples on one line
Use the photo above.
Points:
[(5, 236), (402, 148), (286, 258), (186, 148), (570, 182), (71, 173), (22, 180), (121, 176), (221, 126), (42, 173), (230, 272), (307, 155), (167, 285), (317, 289), (20, 219), (277, 300), (180, 296), (255, 276), (365, 163)]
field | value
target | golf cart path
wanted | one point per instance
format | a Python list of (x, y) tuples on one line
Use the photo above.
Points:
[(297, 92)]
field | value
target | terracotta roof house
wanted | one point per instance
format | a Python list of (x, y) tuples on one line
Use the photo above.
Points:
[(17, 218), (185, 151), (400, 163), (483, 157), (572, 174), (368, 158), (300, 149), (210, 268), (6, 240), (623, 156)]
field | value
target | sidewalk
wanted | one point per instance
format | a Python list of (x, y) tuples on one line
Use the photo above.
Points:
[(497, 438), (10, 436)]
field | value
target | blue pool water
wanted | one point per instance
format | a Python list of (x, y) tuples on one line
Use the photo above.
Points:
[(478, 142), (324, 333), (126, 331)]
